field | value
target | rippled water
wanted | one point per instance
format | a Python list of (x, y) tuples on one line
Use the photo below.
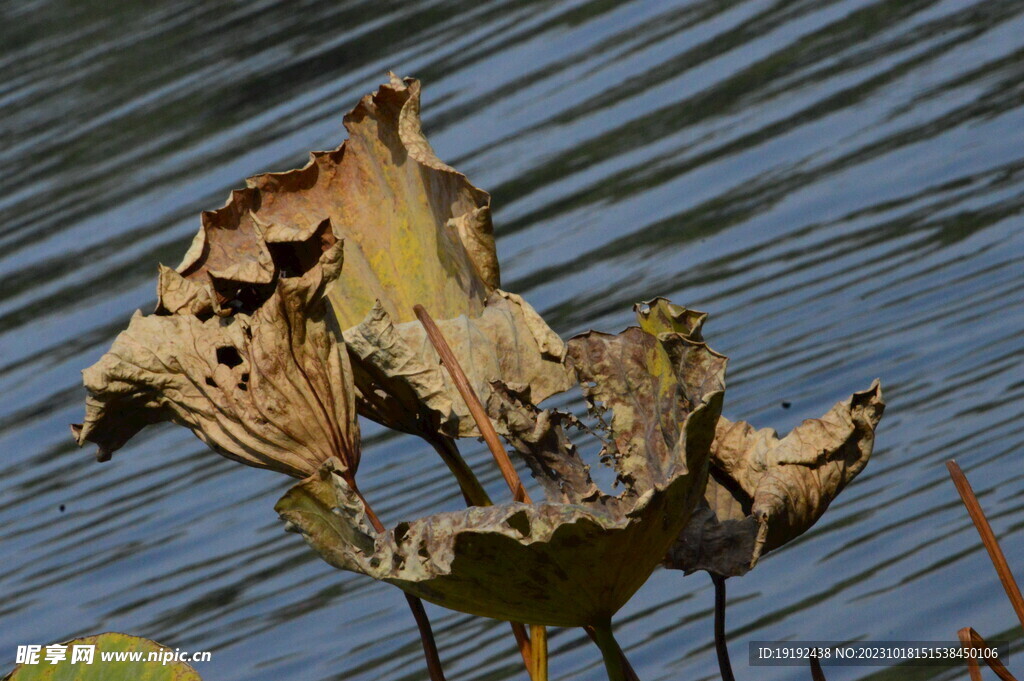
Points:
[(839, 184)]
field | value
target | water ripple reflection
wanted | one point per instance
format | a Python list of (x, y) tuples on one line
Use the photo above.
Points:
[(840, 184)]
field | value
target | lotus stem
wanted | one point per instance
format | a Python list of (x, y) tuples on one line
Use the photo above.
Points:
[(611, 652), (508, 471), (816, 672), (973, 670), (524, 644), (630, 672), (471, 488), (434, 668), (472, 491), (988, 538), (969, 638), (539, 641), (419, 613), (475, 495), (476, 408), (721, 645)]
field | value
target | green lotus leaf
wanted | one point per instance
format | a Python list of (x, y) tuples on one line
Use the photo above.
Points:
[(577, 558), (99, 670), (271, 389), (764, 491)]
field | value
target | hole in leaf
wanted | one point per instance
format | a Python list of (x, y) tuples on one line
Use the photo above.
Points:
[(241, 297), (520, 522), (210, 382), (228, 356), (401, 530), (295, 258)]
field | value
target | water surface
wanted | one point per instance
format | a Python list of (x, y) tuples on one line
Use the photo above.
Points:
[(840, 184)]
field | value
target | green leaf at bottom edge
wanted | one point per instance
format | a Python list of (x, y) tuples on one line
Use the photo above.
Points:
[(99, 670)]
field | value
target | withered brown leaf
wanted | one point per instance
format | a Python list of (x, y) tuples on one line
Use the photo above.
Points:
[(415, 231), (271, 389), (662, 360), (578, 557), (764, 491), (507, 342)]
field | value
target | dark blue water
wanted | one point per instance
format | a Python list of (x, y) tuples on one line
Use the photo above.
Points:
[(839, 184)]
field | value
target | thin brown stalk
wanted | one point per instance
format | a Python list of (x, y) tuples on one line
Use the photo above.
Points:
[(508, 471), (988, 538), (524, 644), (816, 673), (472, 491), (969, 638), (434, 668), (476, 408), (972, 663), (721, 645), (476, 495)]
